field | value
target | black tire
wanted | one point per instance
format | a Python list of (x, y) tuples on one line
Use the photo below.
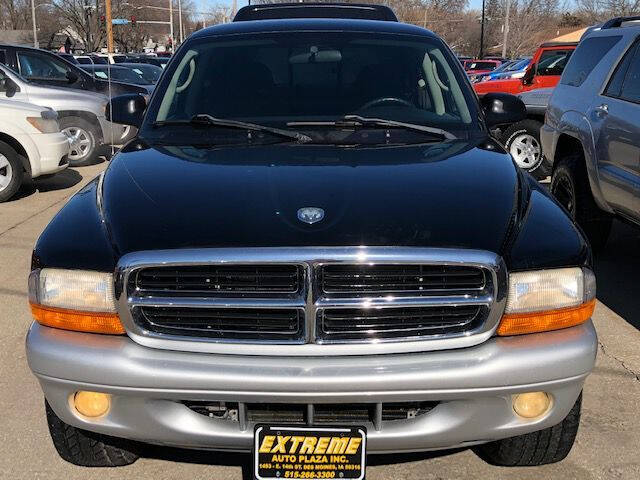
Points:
[(539, 169), (11, 170), (570, 186), (79, 156), (88, 449), (546, 446)]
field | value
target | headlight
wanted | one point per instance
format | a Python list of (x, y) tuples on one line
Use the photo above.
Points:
[(47, 122), (74, 300), (545, 300)]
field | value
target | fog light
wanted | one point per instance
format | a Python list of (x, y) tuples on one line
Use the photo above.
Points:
[(92, 404), (531, 404)]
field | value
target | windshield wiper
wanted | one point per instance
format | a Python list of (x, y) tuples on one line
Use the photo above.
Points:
[(360, 121), (206, 119)]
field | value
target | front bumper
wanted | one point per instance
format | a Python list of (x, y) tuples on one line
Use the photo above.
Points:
[(50, 153), (474, 387)]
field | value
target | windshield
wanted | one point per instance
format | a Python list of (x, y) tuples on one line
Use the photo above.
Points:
[(120, 74), (522, 64), (472, 66), (148, 72), (280, 78)]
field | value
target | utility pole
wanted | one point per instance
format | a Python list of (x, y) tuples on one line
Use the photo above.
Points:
[(107, 17), (173, 49), (234, 8), (180, 20), (505, 37), (481, 53), (35, 29)]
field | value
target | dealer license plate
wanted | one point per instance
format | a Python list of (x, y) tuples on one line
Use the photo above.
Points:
[(313, 452)]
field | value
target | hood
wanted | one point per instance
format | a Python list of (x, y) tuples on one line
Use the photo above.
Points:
[(451, 194), (60, 98), (507, 85), (539, 97), (7, 105)]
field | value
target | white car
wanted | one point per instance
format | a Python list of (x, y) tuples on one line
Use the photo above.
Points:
[(30, 144)]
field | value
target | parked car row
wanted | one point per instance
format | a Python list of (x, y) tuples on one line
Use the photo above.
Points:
[(114, 58)]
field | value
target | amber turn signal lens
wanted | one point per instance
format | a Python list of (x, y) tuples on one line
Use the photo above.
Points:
[(533, 322), (92, 322)]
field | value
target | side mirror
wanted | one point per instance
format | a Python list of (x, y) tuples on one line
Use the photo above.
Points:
[(9, 87), (127, 109), (502, 108), (72, 77), (527, 79)]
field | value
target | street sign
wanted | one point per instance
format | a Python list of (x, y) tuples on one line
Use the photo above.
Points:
[(119, 21)]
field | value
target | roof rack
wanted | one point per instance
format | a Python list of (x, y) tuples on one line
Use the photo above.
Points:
[(618, 21), (559, 44), (315, 10)]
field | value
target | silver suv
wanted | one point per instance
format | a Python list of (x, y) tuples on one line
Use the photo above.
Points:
[(81, 115), (591, 133)]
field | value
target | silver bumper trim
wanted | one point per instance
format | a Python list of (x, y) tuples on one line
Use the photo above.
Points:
[(474, 387)]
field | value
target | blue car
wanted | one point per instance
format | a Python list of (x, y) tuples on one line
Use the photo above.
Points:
[(514, 70)]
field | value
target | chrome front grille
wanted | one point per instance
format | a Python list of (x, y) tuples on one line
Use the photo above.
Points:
[(311, 301)]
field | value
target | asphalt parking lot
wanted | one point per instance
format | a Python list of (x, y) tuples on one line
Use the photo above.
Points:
[(606, 447)]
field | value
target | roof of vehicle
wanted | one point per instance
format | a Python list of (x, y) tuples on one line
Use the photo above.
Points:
[(315, 24), (619, 25), (315, 10), (617, 22), (558, 44)]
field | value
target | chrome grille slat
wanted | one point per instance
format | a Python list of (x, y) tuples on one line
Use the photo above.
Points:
[(221, 323), (336, 325), (421, 299), (416, 279), (218, 279)]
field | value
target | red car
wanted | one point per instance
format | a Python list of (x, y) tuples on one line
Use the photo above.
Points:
[(544, 71), (473, 67)]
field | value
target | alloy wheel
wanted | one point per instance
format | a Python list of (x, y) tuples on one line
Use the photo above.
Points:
[(6, 172), (526, 151), (81, 143)]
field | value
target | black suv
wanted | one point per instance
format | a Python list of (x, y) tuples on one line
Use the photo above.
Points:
[(47, 68), (313, 250)]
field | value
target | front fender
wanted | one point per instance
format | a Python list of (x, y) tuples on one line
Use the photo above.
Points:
[(77, 236), (576, 125)]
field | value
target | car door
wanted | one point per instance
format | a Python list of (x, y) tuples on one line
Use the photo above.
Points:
[(45, 69), (549, 67), (615, 120)]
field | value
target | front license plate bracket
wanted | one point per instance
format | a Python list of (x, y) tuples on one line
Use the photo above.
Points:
[(281, 451)]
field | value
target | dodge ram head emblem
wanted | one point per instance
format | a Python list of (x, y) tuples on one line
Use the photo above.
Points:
[(310, 215)]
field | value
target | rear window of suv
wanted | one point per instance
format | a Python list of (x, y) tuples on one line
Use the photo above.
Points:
[(586, 57)]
